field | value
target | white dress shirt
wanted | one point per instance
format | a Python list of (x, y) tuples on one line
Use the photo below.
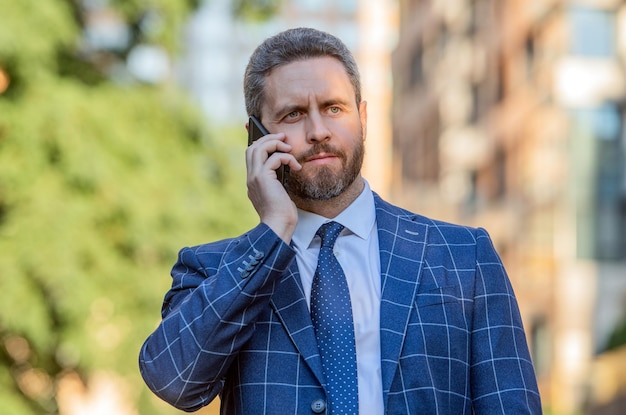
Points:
[(357, 251)]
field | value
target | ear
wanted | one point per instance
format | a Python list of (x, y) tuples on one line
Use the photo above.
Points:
[(363, 116), (247, 127)]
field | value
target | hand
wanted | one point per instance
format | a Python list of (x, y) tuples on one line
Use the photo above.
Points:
[(267, 194)]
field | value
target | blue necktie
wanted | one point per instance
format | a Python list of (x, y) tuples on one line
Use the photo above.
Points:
[(331, 313)]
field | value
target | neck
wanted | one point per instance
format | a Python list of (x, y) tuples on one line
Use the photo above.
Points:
[(330, 208)]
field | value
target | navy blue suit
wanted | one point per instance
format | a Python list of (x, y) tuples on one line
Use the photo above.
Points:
[(236, 323)]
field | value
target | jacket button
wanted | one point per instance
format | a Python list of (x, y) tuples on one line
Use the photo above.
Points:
[(318, 406)]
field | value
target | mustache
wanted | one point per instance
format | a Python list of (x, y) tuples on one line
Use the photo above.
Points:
[(320, 148)]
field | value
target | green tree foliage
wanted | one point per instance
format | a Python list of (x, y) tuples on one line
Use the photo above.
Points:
[(100, 184), (617, 338)]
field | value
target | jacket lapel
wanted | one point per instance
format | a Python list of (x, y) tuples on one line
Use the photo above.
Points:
[(289, 303), (402, 241)]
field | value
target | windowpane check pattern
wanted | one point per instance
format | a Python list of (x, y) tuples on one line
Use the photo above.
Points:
[(331, 313)]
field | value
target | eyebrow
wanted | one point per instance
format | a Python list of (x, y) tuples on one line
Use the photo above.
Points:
[(302, 108), (288, 109)]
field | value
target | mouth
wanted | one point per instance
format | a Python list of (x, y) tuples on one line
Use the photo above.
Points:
[(320, 158)]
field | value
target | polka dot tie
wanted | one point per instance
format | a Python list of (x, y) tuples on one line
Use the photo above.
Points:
[(331, 313)]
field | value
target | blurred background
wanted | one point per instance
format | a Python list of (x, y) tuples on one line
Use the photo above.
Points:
[(122, 139)]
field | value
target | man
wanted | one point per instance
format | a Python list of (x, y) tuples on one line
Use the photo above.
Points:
[(433, 324)]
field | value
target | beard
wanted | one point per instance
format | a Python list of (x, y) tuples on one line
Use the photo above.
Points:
[(326, 184)]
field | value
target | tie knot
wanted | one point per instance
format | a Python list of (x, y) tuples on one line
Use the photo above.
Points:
[(329, 233)]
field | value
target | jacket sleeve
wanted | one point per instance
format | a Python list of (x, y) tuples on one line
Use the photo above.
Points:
[(218, 291), (502, 375)]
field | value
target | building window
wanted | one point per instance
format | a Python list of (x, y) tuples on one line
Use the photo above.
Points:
[(540, 346), (310, 5), (600, 185), (500, 168), (416, 67), (529, 49), (476, 103), (593, 32), (348, 6)]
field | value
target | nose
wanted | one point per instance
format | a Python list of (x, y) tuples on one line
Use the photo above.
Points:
[(316, 128)]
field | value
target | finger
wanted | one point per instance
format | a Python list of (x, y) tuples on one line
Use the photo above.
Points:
[(267, 145), (269, 137), (277, 159), (258, 156)]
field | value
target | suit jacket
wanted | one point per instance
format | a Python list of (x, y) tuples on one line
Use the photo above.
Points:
[(236, 323)]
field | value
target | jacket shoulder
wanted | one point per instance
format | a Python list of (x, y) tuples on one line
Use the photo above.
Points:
[(438, 231)]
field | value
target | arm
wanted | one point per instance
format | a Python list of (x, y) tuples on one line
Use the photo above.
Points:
[(502, 374), (219, 290), (217, 293)]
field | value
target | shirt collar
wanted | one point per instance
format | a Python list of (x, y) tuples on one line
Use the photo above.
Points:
[(359, 218)]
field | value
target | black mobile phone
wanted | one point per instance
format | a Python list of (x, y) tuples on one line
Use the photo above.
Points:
[(256, 130)]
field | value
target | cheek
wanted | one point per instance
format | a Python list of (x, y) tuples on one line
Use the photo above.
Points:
[(295, 136), (353, 134), (347, 129)]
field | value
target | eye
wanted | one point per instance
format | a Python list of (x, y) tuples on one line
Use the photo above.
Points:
[(293, 114), (334, 110)]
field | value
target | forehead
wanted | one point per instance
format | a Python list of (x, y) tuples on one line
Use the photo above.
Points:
[(324, 77)]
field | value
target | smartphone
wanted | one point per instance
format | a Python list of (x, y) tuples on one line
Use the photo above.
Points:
[(256, 130)]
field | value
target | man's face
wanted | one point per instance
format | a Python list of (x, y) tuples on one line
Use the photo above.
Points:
[(313, 103)]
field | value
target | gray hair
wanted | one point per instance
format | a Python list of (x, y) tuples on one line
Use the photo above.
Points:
[(290, 46)]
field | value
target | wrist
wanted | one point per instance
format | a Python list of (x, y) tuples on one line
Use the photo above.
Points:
[(282, 227)]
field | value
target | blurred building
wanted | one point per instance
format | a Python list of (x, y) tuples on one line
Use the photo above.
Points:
[(510, 115), (218, 45)]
